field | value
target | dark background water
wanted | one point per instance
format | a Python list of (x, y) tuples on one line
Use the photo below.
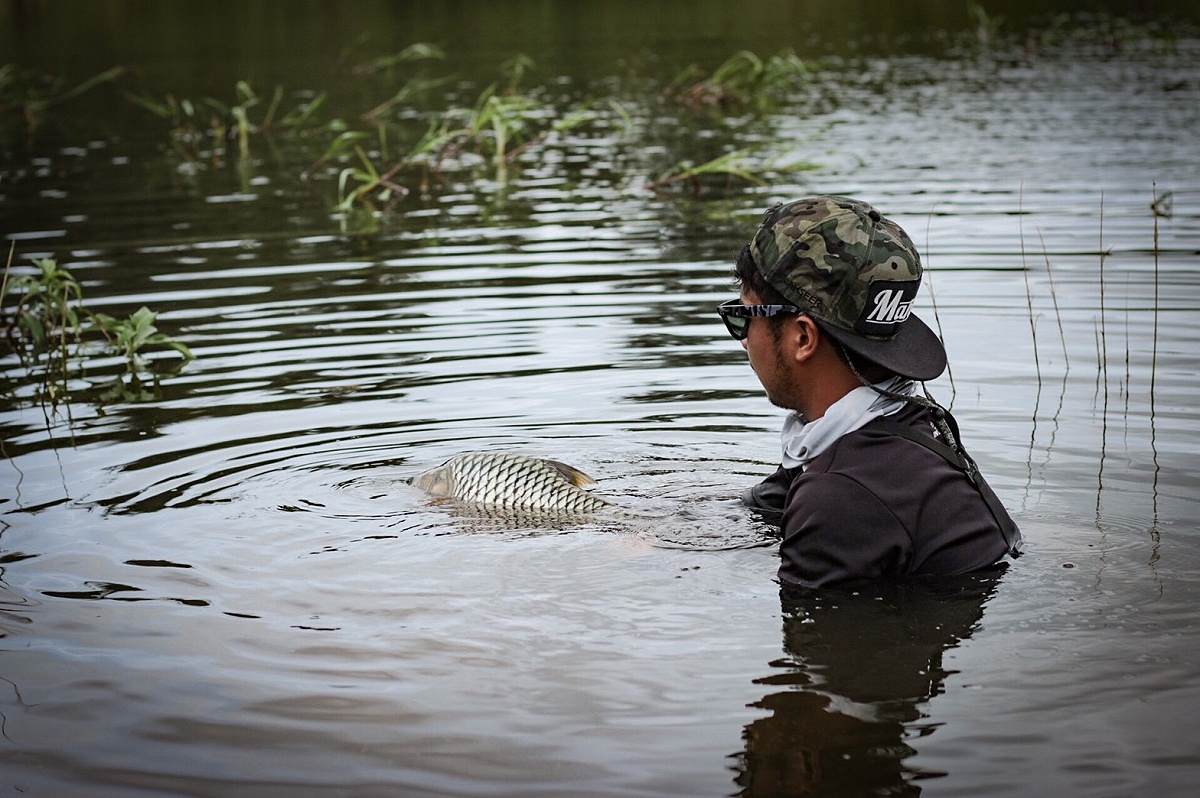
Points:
[(228, 589)]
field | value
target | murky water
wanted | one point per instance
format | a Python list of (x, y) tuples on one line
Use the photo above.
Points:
[(229, 590)]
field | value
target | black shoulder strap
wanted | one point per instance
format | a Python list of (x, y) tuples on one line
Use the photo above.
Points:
[(958, 457)]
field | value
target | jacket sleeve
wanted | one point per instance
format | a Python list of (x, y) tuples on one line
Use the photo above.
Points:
[(836, 531), (768, 497)]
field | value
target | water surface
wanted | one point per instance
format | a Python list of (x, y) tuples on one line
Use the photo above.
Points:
[(230, 590)]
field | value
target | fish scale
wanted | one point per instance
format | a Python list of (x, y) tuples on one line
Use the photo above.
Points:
[(512, 480)]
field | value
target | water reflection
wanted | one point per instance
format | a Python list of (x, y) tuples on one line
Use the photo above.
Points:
[(848, 699)]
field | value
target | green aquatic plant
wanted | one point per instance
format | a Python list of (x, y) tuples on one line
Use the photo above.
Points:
[(32, 93), (48, 309), (130, 338), (743, 80), (365, 185), (403, 145), (513, 71), (501, 125), (987, 26), (414, 89), (413, 53), (133, 335), (44, 323), (200, 129), (497, 120), (737, 164), (47, 322)]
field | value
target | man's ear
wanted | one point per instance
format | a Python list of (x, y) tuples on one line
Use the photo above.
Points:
[(807, 337)]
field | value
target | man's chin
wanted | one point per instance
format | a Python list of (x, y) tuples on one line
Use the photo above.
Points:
[(780, 403)]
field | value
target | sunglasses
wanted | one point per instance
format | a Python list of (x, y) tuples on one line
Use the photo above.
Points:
[(737, 316)]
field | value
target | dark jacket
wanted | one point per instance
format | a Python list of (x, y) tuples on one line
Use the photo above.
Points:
[(875, 505)]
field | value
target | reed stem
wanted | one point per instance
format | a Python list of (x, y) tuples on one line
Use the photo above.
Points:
[(1054, 298), (1037, 361), (937, 319), (1103, 344)]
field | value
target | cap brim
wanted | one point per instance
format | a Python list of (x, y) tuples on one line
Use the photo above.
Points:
[(914, 352)]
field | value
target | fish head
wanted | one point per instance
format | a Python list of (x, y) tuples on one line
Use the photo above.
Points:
[(436, 481)]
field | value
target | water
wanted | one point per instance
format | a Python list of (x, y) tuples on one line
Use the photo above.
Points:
[(229, 590)]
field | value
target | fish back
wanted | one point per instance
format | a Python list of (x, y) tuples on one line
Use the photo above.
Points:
[(512, 480)]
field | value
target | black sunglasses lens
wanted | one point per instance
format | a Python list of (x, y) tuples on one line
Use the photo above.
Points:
[(738, 326)]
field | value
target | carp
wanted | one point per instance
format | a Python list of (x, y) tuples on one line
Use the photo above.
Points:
[(503, 479)]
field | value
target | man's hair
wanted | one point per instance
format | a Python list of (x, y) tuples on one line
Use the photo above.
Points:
[(746, 274)]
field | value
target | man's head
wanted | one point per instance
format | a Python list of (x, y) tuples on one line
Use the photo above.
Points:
[(852, 271)]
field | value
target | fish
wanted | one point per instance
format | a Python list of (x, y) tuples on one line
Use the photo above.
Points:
[(504, 479)]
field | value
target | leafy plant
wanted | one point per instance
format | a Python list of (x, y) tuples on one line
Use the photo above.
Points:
[(32, 92), (743, 79), (46, 325), (419, 51), (501, 125), (130, 337), (48, 310), (371, 185), (414, 88), (211, 121), (45, 320)]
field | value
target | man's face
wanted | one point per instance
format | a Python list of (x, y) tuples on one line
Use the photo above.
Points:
[(768, 357)]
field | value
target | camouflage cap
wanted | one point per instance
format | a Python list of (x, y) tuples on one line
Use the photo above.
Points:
[(856, 273)]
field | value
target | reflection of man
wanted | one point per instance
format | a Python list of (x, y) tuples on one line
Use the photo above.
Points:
[(874, 482), (845, 702)]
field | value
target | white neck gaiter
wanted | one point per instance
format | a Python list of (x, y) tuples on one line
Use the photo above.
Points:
[(804, 440)]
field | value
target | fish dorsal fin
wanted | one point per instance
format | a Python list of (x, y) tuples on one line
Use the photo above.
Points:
[(573, 475)]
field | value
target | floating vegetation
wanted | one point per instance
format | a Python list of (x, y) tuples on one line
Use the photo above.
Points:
[(201, 130), (738, 164), (46, 325), (744, 80), (401, 145), (503, 123)]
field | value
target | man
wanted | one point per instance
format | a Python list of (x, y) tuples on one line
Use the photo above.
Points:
[(874, 482)]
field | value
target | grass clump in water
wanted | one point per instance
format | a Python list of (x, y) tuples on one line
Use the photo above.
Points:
[(32, 93), (200, 130), (46, 325), (744, 80)]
